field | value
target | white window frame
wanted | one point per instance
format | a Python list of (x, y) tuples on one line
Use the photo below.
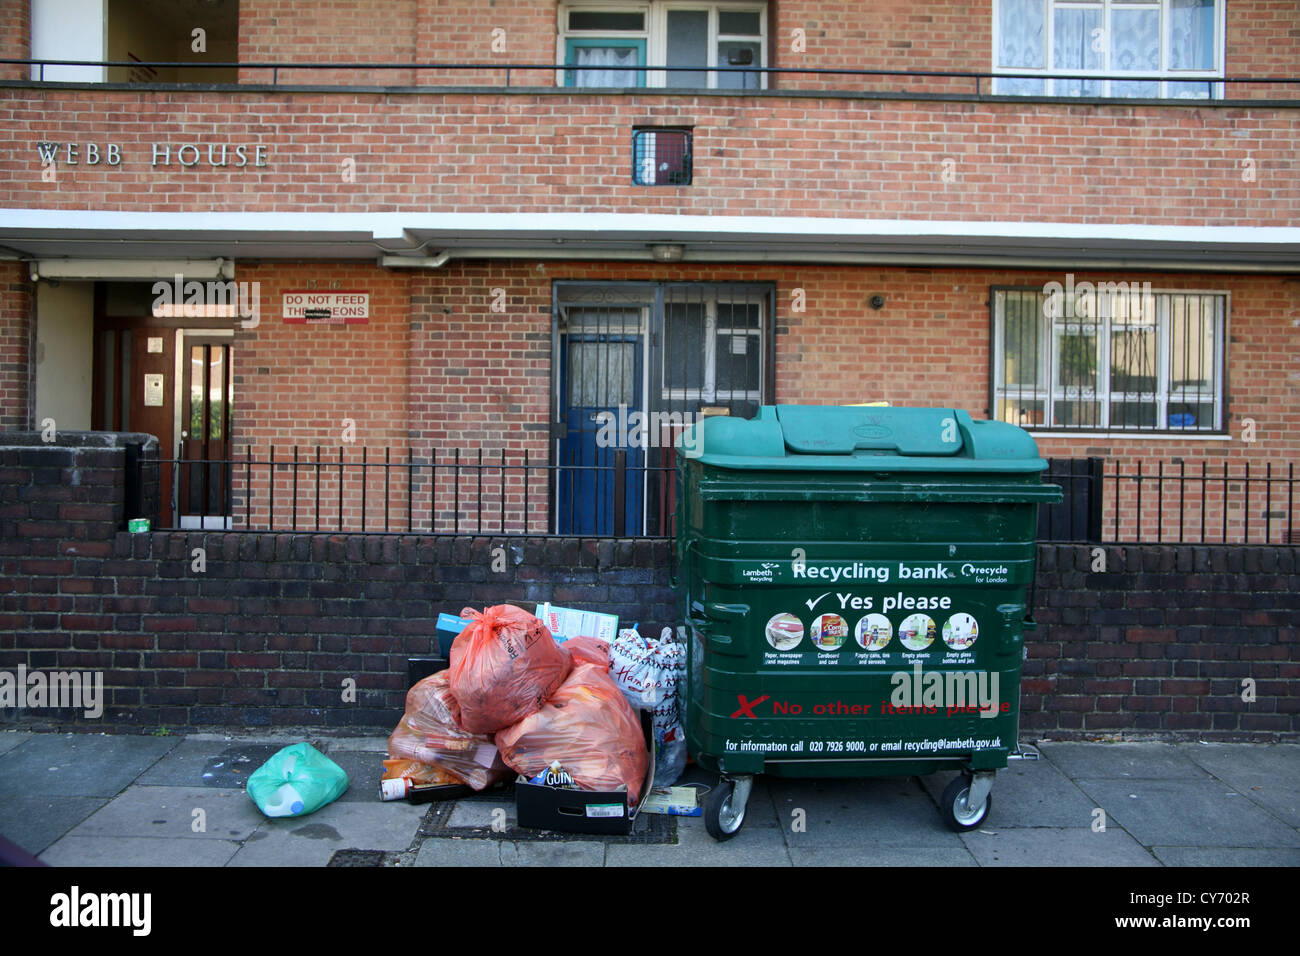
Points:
[(656, 34), (1049, 390), (1105, 74)]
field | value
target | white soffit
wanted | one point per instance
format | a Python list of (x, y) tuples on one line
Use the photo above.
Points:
[(52, 234)]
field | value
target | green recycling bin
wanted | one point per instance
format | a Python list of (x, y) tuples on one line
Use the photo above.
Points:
[(856, 583)]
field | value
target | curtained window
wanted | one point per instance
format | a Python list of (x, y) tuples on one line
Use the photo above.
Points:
[(1175, 45), (706, 45)]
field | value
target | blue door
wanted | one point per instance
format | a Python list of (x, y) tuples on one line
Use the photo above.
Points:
[(600, 453)]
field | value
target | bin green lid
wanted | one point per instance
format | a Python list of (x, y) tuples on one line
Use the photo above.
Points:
[(861, 438)]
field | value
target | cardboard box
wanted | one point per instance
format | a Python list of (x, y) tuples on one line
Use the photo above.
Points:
[(584, 811), (449, 628), (566, 622)]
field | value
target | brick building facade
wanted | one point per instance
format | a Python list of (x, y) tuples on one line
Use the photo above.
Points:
[(825, 203)]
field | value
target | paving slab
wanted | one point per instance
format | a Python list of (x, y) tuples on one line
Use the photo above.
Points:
[(313, 839), (193, 763), (1030, 793), (232, 766), (881, 856), (761, 846), (1132, 761), (886, 811), (35, 820), (481, 813), (338, 745), (79, 851), (539, 853), (183, 813), (79, 765), (1268, 774), (1226, 856), (280, 848), (453, 852), (364, 770), (10, 739), (1185, 812), (1055, 846)]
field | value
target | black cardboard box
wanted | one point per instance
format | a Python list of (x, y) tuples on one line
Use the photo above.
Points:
[(584, 811)]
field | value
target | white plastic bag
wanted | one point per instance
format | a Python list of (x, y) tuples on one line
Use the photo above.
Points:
[(649, 672)]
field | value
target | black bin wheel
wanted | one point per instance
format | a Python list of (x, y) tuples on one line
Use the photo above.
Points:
[(953, 807), (722, 817)]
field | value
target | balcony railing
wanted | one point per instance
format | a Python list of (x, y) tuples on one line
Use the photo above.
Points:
[(962, 84), (512, 493)]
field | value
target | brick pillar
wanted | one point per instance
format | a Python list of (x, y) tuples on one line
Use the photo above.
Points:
[(15, 346)]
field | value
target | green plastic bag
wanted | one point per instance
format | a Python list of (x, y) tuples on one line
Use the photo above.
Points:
[(296, 781)]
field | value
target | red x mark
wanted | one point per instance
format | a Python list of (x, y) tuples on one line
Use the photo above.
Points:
[(747, 706)]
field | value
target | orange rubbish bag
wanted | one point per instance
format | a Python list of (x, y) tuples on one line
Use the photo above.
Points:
[(588, 650), (430, 734), (589, 728), (503, 667)]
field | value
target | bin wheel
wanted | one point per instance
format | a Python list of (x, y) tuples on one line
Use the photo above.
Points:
[(723, 813), (959, 815)]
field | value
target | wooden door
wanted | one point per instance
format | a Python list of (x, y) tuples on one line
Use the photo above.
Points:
[(135, 390)]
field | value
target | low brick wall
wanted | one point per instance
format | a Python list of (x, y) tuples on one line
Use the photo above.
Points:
[(1161, 641), (265, 635)]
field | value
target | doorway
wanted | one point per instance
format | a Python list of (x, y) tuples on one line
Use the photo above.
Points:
[(133, 390), (203, 492), (153, 376), (635, 364), (599, 487)]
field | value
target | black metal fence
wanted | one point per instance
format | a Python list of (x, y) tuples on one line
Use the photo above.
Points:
[(368, 491), (1175, 502), (504, 492)]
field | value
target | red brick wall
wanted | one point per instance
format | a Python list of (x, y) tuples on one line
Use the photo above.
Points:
[(1262, 40), (480, 379), (438, 369), (295, 385), (890, 35), (301, 31), (463, 31), (15, 341), (15, 38), (559, 153)]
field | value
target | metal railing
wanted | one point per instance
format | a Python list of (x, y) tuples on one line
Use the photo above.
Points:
[(459, 493), (1173, 502), (981, 81), (513, 493)]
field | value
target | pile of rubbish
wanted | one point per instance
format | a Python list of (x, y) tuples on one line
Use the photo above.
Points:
[(558, 710)]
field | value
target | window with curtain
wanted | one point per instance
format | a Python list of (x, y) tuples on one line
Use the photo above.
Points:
[(708, 45), (1111, 357), (1175, 45)]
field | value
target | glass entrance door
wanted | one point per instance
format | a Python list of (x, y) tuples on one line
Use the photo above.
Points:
[(203, 494)]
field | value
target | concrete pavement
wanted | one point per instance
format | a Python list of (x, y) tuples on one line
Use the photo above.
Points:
[(93, 800)]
